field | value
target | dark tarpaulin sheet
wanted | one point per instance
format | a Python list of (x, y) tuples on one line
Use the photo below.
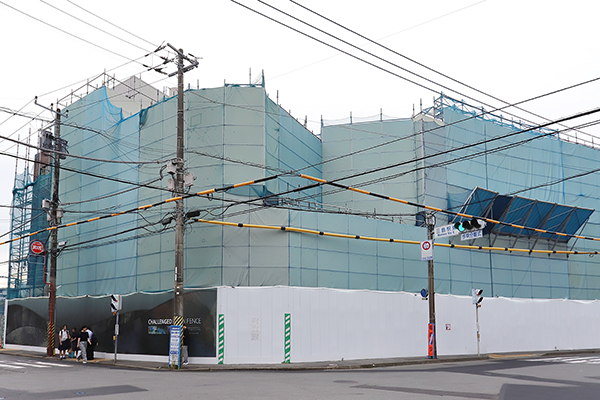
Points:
[(144, 321)]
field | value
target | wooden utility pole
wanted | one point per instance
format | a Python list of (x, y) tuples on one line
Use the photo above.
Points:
[(179, 217), (179, 185), (54, 238), (430, 221)]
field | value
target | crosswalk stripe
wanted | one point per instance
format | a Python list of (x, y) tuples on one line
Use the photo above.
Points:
[(54, 364), (30, 365), (570, 360), (10, 366)]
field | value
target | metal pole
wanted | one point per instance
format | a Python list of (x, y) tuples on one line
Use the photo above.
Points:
[(430, 228), (53, 239), (179, 218), (116, 335), (477, 322)]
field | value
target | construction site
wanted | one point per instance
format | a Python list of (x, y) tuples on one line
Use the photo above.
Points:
[(301, 246)]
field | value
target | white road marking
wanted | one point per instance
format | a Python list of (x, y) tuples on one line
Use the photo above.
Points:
[(54, 364), (9, 366), (570, 360), (30, 365)]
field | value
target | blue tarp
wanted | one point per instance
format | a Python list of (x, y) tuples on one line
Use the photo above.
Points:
[(534, 214)]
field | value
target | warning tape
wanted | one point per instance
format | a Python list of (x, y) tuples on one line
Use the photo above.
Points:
[(325, 182), (202, 193), (346, 236), (493, 221)]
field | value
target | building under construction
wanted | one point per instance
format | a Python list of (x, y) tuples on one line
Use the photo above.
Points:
[(330, 229)]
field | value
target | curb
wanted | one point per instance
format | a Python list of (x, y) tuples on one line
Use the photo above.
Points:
[(316, 366)]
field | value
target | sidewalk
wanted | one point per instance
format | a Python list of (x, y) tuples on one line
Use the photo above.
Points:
[(317, 365)]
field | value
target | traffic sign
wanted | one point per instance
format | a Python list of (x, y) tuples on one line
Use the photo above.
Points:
[(37, 247), (445, 231), (426, 250), (471, 235), (116, 303)]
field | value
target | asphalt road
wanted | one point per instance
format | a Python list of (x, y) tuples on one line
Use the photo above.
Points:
[(576, 377)]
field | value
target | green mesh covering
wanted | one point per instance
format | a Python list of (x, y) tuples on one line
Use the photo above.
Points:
[(235, 134)]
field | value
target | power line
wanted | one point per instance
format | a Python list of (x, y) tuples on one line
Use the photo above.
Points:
[(334, 182), (445, 211), (16, 112), (475, 155), (108, 195), (360, 49), (23, 224), (555, 182), (108, 22), (564, 119), (79, 245), (147, 206), (464, 158), (567, 118), (99, 176), (93, 26), (45, 150), (66, 32), (394, 74), (411, 60), (370, 54), (416, 133), (387, 36), (84, 128)]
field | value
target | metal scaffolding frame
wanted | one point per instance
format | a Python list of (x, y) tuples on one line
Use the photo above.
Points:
[(19, 282)]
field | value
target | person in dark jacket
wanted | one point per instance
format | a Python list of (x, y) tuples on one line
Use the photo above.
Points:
[(74, 346)]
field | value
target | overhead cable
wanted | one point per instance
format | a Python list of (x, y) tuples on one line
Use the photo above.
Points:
[(94, 26), (390, 240), (108, 22), (413, 61), (66, 32)]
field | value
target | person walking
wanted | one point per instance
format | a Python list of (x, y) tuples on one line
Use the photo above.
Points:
[(184, 345), (65, 343), (74, 346), (92, 344), (82, 343)]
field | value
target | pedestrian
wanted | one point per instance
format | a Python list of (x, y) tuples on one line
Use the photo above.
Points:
[(92, 344), (82, 343), (184, 345), (74, 346), (65, 343)]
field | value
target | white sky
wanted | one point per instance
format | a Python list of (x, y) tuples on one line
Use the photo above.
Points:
[(512, 49)]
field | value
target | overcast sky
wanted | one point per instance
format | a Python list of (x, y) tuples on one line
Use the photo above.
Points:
[(512, 50)]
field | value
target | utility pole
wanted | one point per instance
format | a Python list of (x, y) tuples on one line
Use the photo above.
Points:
[(54, 236), (60, 145), (178, 296), (430, 221), (179, 185)]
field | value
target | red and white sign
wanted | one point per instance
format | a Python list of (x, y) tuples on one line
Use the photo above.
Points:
[(37, 247), (426, 250)]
